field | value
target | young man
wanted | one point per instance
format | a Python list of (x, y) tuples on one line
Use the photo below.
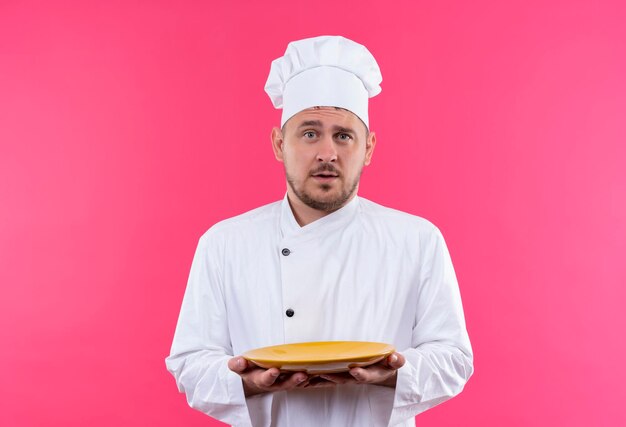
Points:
[(321, 265)]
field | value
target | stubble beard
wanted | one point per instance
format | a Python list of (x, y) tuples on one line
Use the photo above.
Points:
[(327, 206)]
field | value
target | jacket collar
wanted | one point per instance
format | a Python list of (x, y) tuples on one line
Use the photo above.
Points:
[(341, 217)]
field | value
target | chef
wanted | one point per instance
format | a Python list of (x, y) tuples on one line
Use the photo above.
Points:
[(323, 264)]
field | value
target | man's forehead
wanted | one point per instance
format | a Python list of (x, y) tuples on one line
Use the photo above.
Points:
[(322, 115)]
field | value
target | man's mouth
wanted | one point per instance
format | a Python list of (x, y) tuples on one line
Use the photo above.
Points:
[(325, 175), (325, 171)]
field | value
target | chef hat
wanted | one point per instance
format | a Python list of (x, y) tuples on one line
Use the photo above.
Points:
[(329, 71)]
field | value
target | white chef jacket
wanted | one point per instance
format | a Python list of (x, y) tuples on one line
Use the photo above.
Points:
[(364, 273)]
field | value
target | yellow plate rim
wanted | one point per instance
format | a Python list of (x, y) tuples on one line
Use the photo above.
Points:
[(386, 350)]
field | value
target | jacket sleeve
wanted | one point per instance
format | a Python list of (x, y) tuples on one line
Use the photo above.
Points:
[(201, 346), (440, 360)]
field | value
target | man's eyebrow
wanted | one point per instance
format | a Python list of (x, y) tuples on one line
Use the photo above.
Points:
[(315, 123), (343, 129), (318, 123)]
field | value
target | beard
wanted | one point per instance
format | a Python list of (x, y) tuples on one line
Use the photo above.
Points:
[(327, 205)]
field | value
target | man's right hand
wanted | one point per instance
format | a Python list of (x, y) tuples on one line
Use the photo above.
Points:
[(258, 380)]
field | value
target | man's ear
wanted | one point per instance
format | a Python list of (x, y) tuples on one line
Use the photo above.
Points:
[(370, 144), (277, 143)]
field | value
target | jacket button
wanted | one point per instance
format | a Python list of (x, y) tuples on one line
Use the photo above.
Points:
[(285, 251), (289, 312)]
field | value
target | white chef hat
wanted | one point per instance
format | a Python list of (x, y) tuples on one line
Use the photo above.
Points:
[(325, 71)]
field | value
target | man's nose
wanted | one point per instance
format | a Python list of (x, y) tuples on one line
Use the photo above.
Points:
[(327, 151)]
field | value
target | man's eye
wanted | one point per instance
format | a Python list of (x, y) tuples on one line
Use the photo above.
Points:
[(309, 134), (344, 137)]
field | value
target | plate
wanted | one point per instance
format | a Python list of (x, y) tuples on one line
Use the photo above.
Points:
[(321, 357)]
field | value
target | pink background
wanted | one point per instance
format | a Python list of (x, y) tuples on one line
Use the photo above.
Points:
[(129, 128)]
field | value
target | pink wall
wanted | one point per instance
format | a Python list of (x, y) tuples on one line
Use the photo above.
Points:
[(129, 128)]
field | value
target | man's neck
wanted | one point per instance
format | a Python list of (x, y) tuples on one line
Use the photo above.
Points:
[(305, 214)]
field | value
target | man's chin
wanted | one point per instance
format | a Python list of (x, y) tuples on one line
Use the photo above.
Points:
[(325, 197), (326, 201)]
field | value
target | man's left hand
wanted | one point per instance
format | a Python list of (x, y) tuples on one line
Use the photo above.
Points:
[(382, 373)]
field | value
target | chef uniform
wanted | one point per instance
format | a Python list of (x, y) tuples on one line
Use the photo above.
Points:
[(362, 273)]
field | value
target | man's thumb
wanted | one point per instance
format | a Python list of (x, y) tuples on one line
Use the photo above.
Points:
[(237, 364)]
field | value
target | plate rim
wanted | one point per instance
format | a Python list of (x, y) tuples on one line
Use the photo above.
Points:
[(364, 358)]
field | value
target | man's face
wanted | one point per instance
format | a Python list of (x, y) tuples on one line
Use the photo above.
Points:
[(323, 150)]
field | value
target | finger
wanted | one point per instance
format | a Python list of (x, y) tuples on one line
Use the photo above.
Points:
[(325, 381), (338, 379), (309, 379), (293, 381), (322, 384), (237, 364), (268, 377), (396, 361), (362, 375)]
